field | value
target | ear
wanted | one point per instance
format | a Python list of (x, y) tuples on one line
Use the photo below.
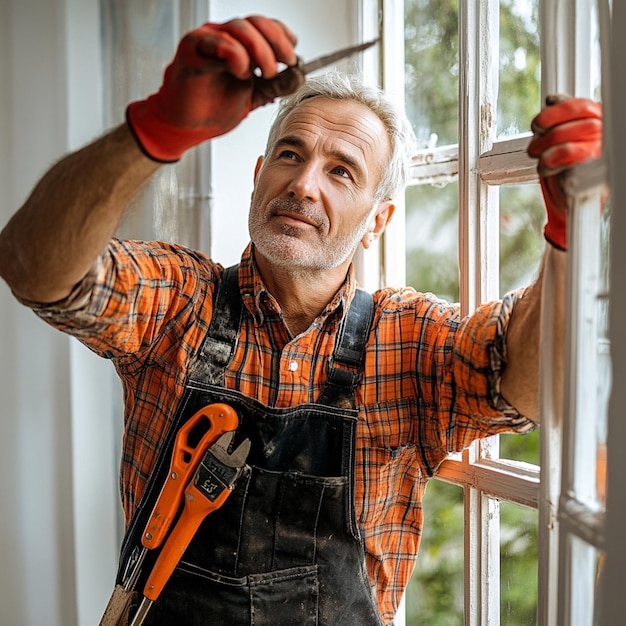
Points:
[(381, 218), (257, 167)]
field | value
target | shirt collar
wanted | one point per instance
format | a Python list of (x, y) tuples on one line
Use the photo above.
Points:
[(261, 303)]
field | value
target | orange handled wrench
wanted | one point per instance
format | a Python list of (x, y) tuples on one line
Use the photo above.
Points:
[(201, 431), (192, 441), (213, 482)]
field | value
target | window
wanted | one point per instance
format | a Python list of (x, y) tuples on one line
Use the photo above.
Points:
[(473, 75)]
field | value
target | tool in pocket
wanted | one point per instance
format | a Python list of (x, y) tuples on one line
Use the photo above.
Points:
[(193, 440), (213, 482)]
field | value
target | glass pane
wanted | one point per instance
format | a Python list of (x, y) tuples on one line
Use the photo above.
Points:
[(522, 216), (431, 70), (435, 591), (521, 447), (586, 566), (518, 564), (432, 240), (604, 369), (596, 55), (519, 79)]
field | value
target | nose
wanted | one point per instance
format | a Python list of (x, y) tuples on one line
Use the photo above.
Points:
[(305, 182)]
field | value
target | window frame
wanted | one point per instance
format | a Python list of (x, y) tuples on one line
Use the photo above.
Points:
[(481, 163)]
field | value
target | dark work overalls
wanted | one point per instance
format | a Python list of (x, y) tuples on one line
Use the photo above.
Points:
[(284, 549)]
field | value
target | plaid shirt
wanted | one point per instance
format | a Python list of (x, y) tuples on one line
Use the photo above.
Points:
[(430, 384)]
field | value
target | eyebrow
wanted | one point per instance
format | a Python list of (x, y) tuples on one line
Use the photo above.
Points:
[(340, 155)]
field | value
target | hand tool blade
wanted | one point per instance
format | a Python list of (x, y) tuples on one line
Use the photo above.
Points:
[(333, 57)]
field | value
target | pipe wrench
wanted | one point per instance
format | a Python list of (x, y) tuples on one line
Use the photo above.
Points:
[(213, 482), (192, 441)]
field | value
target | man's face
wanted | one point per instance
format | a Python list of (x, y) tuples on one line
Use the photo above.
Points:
[(313, 200)]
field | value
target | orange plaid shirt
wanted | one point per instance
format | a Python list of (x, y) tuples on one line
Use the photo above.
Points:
[(430, 384)]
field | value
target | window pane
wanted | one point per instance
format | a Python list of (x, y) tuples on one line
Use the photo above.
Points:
[(519, 79), (431, 70), (139, 40), (522, 216), (521, 447), (518, 565), (435, 592), (604, 370), (431, 240), (587, 566), (593, 363), (596, 61)]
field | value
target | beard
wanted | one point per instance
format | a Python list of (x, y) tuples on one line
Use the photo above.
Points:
[(294, 250)]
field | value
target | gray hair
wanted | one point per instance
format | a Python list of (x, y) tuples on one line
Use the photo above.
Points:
[(351, 87)]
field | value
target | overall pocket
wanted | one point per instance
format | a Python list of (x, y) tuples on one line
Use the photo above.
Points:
[(197, 597)]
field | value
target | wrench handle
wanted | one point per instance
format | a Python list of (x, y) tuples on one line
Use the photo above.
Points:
[(197, 507)]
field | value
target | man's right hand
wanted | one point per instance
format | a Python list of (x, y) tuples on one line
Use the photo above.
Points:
[(219, 74)]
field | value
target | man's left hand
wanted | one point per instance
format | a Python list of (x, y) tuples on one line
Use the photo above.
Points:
[(566, 133)]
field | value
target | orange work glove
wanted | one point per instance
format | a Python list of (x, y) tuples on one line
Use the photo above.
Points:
[(211, 85), (567, 132)]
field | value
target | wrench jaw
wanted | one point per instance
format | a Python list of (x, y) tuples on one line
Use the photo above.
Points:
[(219, 469)]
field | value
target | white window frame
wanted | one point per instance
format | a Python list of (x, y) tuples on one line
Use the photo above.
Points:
[(481, 163)]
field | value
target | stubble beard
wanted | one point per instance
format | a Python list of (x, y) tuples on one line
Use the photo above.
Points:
[(288, 250)]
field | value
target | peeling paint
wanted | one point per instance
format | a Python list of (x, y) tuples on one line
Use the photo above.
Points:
[(486, 122)]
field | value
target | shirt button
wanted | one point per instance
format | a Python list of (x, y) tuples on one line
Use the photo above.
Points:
[(293, 366)]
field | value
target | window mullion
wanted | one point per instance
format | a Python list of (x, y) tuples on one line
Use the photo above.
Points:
[(558, 75), (482, 579), (478, 252)]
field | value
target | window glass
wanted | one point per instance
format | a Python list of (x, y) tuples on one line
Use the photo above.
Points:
[(522, 215), (596, 54), (431, 240), (435, 592), (604, 370), (431, 70), (518, 565), (587, 564), (520, 69)]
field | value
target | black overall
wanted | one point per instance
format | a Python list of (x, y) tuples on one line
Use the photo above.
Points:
[(284, 549)]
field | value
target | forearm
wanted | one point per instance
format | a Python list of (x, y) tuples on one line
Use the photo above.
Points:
[(520, 379), (51, 242)]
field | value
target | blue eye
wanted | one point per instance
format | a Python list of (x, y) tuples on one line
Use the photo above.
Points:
[(287, 154), (341, 171)]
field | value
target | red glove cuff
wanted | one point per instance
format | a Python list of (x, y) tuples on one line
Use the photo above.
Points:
[(555, 230), (158, 139)]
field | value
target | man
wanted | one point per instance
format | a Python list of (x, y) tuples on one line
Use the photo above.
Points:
[(350, 402)]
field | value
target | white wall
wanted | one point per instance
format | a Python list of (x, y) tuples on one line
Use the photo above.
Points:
[(57, 429), (36, 539)]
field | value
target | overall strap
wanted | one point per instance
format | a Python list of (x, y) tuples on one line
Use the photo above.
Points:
[(344, 367), (220, 341), (346, 363)]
